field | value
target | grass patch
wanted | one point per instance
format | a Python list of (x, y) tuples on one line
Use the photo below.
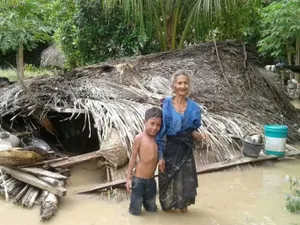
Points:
[(29, 73)]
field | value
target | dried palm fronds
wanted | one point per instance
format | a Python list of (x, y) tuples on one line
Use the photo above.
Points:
[(117, 193), (117, 95), (124, 115), (113, 151)]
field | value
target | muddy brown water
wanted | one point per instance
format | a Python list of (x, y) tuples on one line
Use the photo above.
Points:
[(255, 197), (252, 197)]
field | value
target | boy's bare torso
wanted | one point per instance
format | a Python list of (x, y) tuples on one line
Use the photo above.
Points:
[(148, 157)]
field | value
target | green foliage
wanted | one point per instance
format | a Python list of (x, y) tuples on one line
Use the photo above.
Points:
[(280, 26), (293, 198), (179, 22), (28, 73), (242, 24), (30, 68), (63, 13), (24, 22), (100, 39), (86, 36)]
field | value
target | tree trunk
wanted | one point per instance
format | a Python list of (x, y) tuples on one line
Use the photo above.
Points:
[(169, 32), (20, 61), (289, 54), (297, 55)]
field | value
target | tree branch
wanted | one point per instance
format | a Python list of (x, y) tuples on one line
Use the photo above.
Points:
[(219, 60)]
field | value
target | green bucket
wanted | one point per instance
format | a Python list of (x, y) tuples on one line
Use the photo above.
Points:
[(275, 139)]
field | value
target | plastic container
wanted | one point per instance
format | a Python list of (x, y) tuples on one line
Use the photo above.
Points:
[(6, 137), (275, 139), (35, 142), (251, 149)]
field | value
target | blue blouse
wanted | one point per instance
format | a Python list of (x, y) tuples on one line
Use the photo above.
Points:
[(174, 123)]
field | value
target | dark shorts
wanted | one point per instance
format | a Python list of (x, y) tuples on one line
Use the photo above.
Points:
[(143, 193)]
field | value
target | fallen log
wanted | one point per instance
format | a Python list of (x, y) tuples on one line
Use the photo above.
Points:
[(49, 206), (204, 169), (30, 189), (27, 200), (4, 185), (21, 194), (17, 190), (4, 176), (34, 181), (29, 203), (6, 182), (13, 185), (49, 180), (41, 197), (46, 173), (71, 161)]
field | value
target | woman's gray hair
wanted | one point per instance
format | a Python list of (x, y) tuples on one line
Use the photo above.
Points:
[(176, 75)]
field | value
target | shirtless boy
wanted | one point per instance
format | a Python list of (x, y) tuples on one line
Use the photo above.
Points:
[(142, 184)]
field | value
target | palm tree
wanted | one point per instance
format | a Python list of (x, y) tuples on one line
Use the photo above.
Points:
[(174, 20)]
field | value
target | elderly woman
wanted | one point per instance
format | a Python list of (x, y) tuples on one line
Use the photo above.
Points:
[(181, 119)]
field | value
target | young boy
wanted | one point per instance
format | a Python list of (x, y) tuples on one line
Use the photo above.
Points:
[(142, 184)]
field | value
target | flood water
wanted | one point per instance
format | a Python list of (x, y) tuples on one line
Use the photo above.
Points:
[(252, 197), (255, 197)]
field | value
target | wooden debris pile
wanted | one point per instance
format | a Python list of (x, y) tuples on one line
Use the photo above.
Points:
[(33, 186)]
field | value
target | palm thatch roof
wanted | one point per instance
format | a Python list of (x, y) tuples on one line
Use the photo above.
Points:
[(235, 100), (52, 57)]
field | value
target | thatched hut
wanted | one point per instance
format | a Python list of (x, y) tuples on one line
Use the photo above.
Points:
[(237, 95), (52, 57)]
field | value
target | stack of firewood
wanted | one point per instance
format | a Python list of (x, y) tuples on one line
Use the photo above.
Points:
[(30, 186)]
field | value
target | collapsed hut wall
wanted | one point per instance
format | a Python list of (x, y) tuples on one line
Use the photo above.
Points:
[(250, 89), (235, 100)]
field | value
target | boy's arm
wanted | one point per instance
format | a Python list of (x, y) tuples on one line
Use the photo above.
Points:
[(136, 146)]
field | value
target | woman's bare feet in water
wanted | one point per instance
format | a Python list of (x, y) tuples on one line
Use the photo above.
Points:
[(184, 210)]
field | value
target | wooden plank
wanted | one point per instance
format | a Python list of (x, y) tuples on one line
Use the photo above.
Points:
[(103, 186), (201, 170), (46, 173), (71, 161), (21, 194), (45, 162), (34, 181)]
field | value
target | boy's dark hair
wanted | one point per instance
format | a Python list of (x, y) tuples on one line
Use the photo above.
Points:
[(153, 112)]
